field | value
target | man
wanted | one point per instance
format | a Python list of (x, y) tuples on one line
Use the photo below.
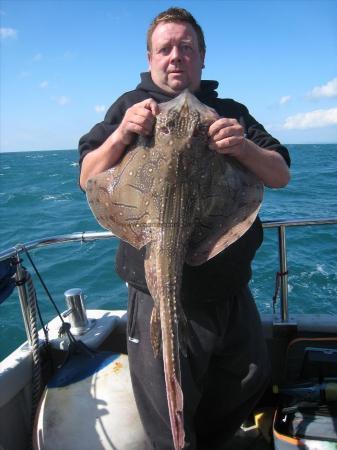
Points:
[(226, 369)]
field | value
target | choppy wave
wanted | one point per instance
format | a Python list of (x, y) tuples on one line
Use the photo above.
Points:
[(58, 197)]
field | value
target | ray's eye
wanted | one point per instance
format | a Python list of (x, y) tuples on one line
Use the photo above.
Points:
[(199, 130), (196, 132), (164, 130)]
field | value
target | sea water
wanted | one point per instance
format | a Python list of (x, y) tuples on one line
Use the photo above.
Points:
[(40, 197)]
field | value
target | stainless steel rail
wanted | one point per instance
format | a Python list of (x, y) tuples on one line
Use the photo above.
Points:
[(281, 225), (298, 222), (86, 236)]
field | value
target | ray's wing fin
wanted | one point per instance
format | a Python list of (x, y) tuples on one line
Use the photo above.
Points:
[(120, 199), (229, 202)]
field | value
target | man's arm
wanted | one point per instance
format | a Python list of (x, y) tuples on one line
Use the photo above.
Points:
[(226, 136), (138, 119), (101, 159), (268, 165)]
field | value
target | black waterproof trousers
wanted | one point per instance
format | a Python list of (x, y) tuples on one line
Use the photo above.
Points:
[(223, 376)]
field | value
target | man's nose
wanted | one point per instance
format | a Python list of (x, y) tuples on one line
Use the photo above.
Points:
[(175, 54)]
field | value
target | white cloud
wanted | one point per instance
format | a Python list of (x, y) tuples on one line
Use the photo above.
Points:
[(6, 33), (285, 99), (24, 74), (313, 119), (326, 90), (62, 100), (37, 57), (68, 55), (100, 108), (44, 84)]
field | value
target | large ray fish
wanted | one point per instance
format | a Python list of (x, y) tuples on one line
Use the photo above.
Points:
[(186, 203)]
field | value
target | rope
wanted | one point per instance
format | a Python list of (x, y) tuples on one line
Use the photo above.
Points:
[(36, 363), (278, 277), (74, 345), (33, 309), (65, 328)]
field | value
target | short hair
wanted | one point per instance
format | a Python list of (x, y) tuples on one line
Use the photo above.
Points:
[(176, 15)]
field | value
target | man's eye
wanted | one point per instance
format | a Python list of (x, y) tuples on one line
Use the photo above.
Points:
[(164, 50), (186, 48)]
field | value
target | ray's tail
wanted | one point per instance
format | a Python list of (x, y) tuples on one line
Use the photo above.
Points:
[(163, 268)]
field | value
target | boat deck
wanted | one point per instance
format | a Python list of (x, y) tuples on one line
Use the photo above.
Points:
[(249, 440)]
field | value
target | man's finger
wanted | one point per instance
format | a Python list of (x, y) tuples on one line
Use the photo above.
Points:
[(223, 122), (151, 105), (224, 144), (227, 132)]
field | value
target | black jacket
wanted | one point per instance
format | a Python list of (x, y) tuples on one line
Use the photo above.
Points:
[(231, 268)]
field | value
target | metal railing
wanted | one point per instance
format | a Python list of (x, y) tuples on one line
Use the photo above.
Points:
[(85, 236), (281, 225)]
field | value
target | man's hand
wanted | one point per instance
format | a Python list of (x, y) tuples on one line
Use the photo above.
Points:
[(226, 136), (138, 119)]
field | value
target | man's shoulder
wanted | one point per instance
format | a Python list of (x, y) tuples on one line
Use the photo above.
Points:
[(135, 95), (124, 102), (229, 106)]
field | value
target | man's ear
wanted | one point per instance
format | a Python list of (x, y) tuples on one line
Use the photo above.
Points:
[(149, 59), (203, 54)]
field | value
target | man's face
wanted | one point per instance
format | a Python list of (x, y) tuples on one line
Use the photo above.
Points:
[(175, 59)]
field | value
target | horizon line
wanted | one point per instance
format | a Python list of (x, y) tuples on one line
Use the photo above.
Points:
[(75, 149)]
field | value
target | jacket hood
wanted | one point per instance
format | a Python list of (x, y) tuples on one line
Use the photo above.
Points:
[(206, 92)]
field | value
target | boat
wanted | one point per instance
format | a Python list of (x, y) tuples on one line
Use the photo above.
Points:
[(68, 386)]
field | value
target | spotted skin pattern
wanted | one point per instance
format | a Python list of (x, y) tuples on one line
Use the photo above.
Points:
[(186, 203)]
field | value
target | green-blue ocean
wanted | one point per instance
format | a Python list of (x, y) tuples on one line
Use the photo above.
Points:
[(40, 197)]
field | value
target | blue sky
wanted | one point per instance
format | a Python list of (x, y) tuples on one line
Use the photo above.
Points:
[(63, 63)]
